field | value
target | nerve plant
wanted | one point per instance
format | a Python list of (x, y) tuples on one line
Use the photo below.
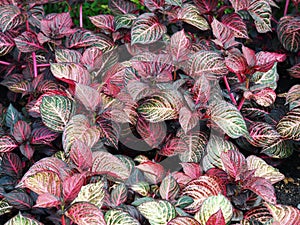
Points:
[(126, 124)]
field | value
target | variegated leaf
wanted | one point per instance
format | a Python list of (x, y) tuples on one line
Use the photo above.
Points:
[(153, 172), (81, 38), (42, 135), (117, 216), (236, 63), (191, 15), (206, 6), (21, 131), (121, 6), (280, 149), (56, 111), (11, 17), (157, 212), (284, 215), (119, 194), (258, 214), (27, 42), (84, 213), (6, 44), (262, 169), (124, 21), (180, 46), (147, 29), (295, 71), (92, 59), (288, 32), (79, 128), (93, 193), (265, 97), (207, 62), (289, 126), (84, 93), (67, 56), (183, 220), (5, 207), (81, 155), (234, 163), (294, 93), (229, 119), (169, 188), (106, 163), (105, 22), (153, 5), (20, 219), (239, 4), (261, 12), (265, 79), (199, 190), (7, 143), (47, 200), (174, 2), (109, 131), (236, 24), (19, 199), (72, 186), (187, 119), (201, 90), (213, 204)]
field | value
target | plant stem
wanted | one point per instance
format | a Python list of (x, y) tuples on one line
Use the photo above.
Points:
[(243, 98), (80, 16), (63, 221), (229, 90), (34, 64), (286, 7), (43, 65), (4, 63)]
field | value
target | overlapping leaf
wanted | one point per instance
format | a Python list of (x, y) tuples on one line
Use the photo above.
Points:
[(105, 22), (234, 163), (116, 216), (236, 24), (284, 215), (20, 219), (288, 33), (180, 46), (27, 42), (81, 155), (109, 131), (7, 143), (147, 29), (56, 111), (11, 17), (42, 135), (84, 93), (12, 165), (153, 5), (19, 199), (6, 44), (183, 220), (280, 149), (92, 58), (67, 56), (169, 188), (121, 6), (258, 214), (265, 79), (295, 71), (124, 21), (261, 12), (289, 126), (153, 172), (157, 212), (47, 200), (206, 6)]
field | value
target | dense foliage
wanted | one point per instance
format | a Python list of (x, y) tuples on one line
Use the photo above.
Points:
[(160, 114)]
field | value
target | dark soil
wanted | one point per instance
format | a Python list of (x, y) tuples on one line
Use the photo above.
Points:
[(288, 190)]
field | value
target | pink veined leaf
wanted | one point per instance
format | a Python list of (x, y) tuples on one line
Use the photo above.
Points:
[(239, 4), (11, 17), (7, 143), (183, 220), (193, 170), (43, 135), (261, 12), (47, 200), (234, 163), (57, 25), (11, 164), (153, 5), (173, 147), (67, 55), (219, 175), (261, 187), (266, 60), (265, 97), (216, 219), (295, 71), (6, 44), (81, 155), (206, 6), (201, 90), (27, 42), (187, 119), (236, 24), (199, 190), (153, 172), (109, 131), (259, 214), (92, 58), (119, 194), (152, 133), (19, 199), (80, 39), (147, 29), (84, 93), (249, 55), (283, 214), (181, 178), (169, 188), (71, 186), (27, 150), (105, 22), (180, 46), (85, 213), (236, 63), (21, 131), (121, 6)]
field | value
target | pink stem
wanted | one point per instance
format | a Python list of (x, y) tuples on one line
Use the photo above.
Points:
[(286, 7), (34, 64), (241, 104), (80, 16), (43, 65), (4, 63), (229, 90)]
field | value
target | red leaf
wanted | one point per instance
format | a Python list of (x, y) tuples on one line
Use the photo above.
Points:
[(179, 46), (216, 219), (92, 58), (27, 150), (236, 63), (239, 4), (265, 97), (154, 172), (81, 155), (153, 5), (266, 60), (201, 90), (121, 6), (234, 163), (27, 42), (43, 135), (105, 22), (72, 186), (11, 165), (193, 170), (47, 200), (7, 143), (188, 119), (236, 24), (206, 6), (173, 147), (249, 55), (21, 131), (261, 187), (224, 35)]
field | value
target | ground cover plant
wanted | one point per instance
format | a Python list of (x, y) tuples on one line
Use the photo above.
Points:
[(152, 112)]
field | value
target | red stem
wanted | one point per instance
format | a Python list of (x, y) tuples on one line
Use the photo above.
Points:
[(286, 7), (241, 103), (63, 221), (34, 65), (4, 63), (229, 90), (80, 16)]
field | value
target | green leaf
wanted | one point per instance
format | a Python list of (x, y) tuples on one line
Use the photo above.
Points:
[(212, 205), (184, 201), (229, 119), (264, 80), (93, 193), (169, 188), (84, 213), (147, 29), (280, 149), (157, 212), (261, 12), (115, 216), (56, 111), (124, 21), (141, 188), (289, 126), (22, 220), (5, 207), (191, 15)]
